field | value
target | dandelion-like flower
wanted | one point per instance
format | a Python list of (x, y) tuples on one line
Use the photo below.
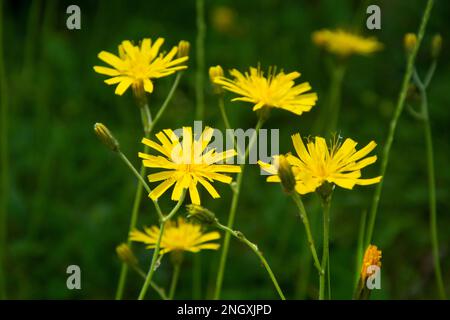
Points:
[(277, 90), (344, 43), (178, 235), (187, 163), (136, 66), (372, 257), (317, 163)]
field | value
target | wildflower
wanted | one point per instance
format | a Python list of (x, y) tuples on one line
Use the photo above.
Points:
[(372, 257), (188, 162), (136, 66), (178, 236), (338, 164), (200, 214), (282, 172), (223, 19), (183, 49), (277, 90), (216, 72), (409, 41), (436, 45), (126, 255), (106, 136), (344, 44)]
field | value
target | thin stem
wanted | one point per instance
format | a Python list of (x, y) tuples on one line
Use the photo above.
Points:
[(133, 219), (325, 252), (304, 216), (241, 237), (223, 112), (394, 121), (166, 102), (431, 176), (200, 56), (334, 101), (155, 287), (360, 247), (232, 214), (146, 118), (175, 276), (4, 162), (197, 277), (155, 256)]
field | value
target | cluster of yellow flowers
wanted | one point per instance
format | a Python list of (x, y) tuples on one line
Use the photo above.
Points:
[(186, 162)]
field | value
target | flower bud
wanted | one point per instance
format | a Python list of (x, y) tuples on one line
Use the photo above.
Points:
[(409, 42), (372, 257), (183, 48), (200, 214), (125, 255), (215, 72), (106, 137), (436, 45), (286, 175)]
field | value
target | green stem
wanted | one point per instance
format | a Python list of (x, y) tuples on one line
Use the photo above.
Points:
[(232, 214), (240, 236), (163, 222), (142, 181), (4, 162), (197, 278), (166, 102), (304, 216), (200, 56), (325, 252), (360, 247), (175, 276), (431, 176), (394, 121), (155, 287), (223, 112), (337, 78)]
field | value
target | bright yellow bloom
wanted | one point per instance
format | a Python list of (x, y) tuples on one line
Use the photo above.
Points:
[(188, 162), (177, 236), (318, 163), (372, 257), (137, 65), (277, 90), (344, 43)]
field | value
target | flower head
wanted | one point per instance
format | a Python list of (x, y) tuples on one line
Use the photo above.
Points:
[(317, 163), (372, 257), (178, 236), (276, 90), (136, 66), (409, 41), (345, 43), (187, 163)]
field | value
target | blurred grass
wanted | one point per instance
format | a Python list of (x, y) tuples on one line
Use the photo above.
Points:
[(70, 198)]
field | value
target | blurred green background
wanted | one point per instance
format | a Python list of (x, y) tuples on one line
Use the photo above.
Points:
[(70, 199)]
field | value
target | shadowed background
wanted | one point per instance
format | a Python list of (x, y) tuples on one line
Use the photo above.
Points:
[(70, 198)]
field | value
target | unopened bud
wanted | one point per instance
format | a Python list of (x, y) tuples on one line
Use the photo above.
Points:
[(106, 137), (200, 214), (183, 48), (409, 42), (436, 45), (214, 73), (125, 254), (286, 175)]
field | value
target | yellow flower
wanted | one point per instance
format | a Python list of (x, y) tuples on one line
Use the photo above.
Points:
[(409, 41), (137, 65), (372, 257), (177, 236), (274, 91), (316, 164), (344, 43), (188, 162)]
